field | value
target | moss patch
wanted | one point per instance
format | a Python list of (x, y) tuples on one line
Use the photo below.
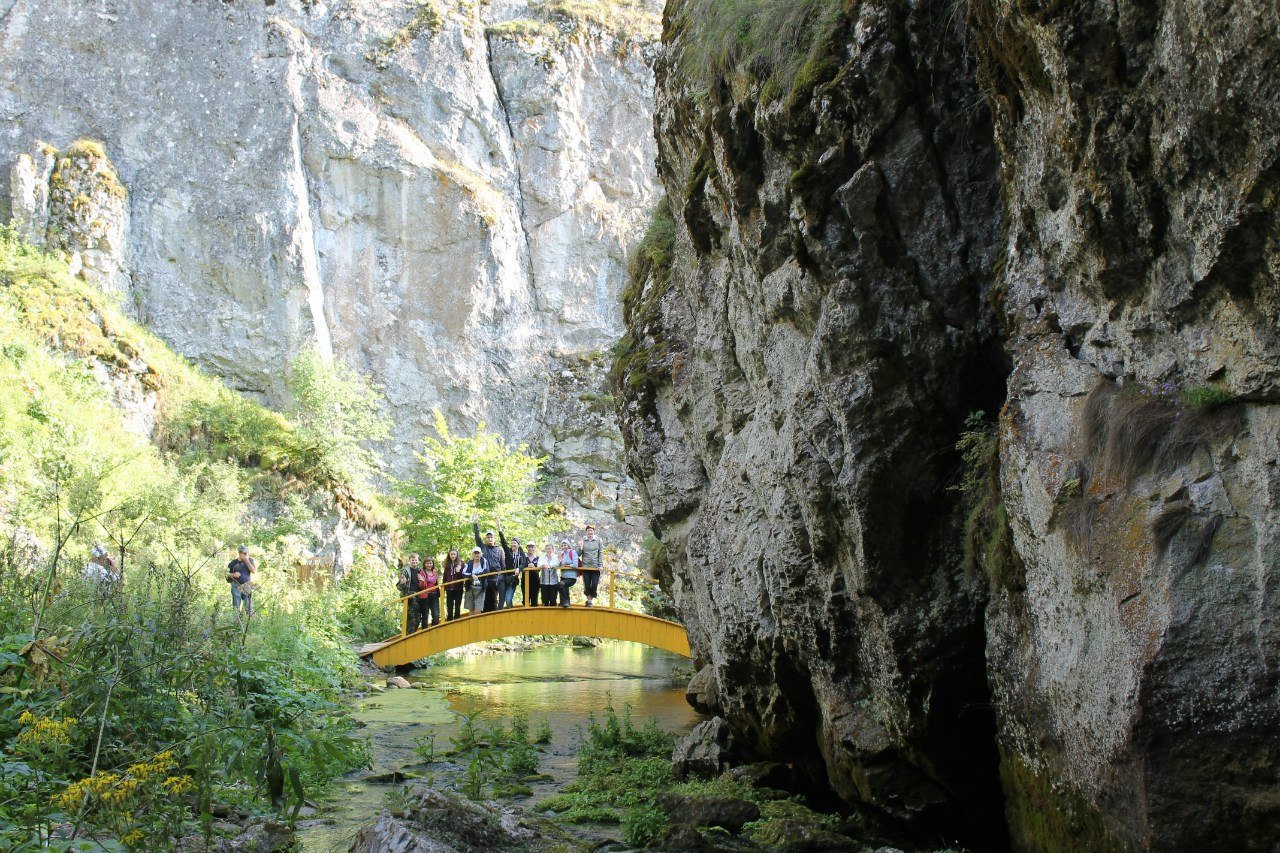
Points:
[(640, 356), (1048, 818), (629, 23), (988, 539)]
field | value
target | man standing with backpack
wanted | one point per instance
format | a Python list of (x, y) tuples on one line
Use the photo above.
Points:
[(240, 576)]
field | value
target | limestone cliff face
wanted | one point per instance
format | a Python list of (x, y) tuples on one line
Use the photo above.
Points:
[(796, 380), (805, 347), (1133, 654), (444, 193)]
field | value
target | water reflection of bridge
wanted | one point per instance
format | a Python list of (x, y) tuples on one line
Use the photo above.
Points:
[(578, 621)]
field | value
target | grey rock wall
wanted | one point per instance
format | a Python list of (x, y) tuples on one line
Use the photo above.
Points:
[(800, 366), (1133, 655), (443, 193), (790, 402)]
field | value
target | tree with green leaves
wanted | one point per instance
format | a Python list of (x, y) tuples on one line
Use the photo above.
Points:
[(459, 477), (338, 411)]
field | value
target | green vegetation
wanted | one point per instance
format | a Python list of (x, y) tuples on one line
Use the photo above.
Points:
[(1131, 430), (338, 412), (622, 769), (637, 366), (789, 47), (627, 22), (463, 476), (84, 154), (131, 712), (1044, 814), (523, 30), (1206, 398), (427, 20), (495, 756), (198, 418), (988, 540)]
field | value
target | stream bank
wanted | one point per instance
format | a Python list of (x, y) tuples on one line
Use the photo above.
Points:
[(561, 685)]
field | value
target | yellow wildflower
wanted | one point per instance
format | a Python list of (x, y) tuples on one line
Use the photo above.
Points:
[(178, 785), (44, 730)]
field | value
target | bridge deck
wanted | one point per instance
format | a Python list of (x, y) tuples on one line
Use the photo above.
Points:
[(578, 621)]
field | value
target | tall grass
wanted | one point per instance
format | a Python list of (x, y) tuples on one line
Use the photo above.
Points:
[(780, 43)]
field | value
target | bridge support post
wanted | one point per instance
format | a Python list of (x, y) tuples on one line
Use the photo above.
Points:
[(611, 573), (404, 619)]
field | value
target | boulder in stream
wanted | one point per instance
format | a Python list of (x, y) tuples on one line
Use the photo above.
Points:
[(705, 751), (397, 682), (726, 812), (443, 822)]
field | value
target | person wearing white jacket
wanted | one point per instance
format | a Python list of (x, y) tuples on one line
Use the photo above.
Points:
[(549, 576)]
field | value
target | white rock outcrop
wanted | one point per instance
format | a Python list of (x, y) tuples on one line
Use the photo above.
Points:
[(442, 193)]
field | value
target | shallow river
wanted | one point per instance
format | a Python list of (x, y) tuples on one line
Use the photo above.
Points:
[(562, 685)]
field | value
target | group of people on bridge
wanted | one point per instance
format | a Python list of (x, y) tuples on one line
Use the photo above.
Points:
[(487, 580)]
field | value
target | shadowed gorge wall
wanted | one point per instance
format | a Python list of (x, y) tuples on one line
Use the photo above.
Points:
[(795, 380), (1133, 663), (881, 218)]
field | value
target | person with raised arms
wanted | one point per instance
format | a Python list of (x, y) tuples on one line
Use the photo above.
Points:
[(513, 562), (493, 559)]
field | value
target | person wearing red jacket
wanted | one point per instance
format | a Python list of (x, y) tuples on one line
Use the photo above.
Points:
[(429, 598)]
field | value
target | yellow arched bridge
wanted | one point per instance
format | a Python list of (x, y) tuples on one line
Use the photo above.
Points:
[(599, 621)]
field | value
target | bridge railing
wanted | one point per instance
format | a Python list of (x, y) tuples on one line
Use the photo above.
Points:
[(614, 575)]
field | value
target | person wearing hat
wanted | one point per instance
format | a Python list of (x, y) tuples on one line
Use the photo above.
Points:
[(240, 576), (531, 584), (475, 569), (101, 569), (591, 558), (514, 562), (568, 570)]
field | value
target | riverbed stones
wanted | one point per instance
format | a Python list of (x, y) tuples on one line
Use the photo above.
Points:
[(725, 812), (254, 835), (706, 751), (396, 682), (439, 821)]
